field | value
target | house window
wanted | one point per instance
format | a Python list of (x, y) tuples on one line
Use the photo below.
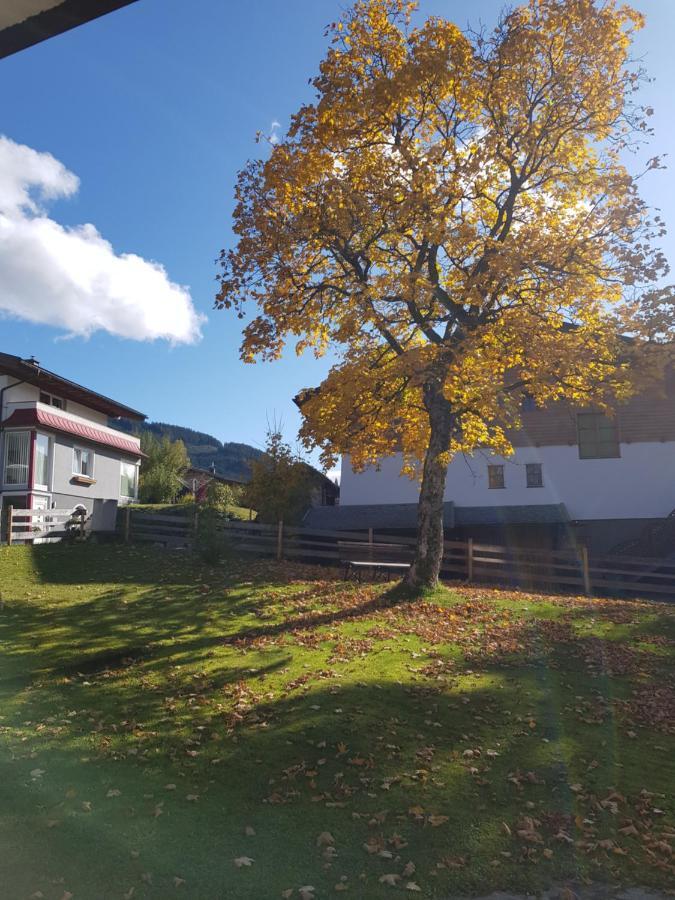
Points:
[(496, 477), (83, 462), (528, 404), (51, 400), (598, 436), (534, 475), (41, 474), (17, 454), (129, 481)]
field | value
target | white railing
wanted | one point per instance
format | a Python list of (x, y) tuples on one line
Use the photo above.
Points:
[(24, 525)]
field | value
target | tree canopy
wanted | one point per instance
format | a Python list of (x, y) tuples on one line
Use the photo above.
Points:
[(453, 212), (165, 462)]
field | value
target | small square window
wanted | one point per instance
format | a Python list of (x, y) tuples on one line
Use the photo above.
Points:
[(83, 462), (534, 475), (496, 477), (51, 400), (598, 436), (528, 404)]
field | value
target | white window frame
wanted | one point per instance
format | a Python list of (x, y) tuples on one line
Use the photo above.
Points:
[(133, 466), (50, 401), (81, 474), (5, 463), (39, 485)]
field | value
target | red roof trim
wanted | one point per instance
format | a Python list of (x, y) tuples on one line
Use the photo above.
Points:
[(32, 416)]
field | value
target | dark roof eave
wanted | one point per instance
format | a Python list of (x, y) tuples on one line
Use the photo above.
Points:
[(61, 17), (30, 373)]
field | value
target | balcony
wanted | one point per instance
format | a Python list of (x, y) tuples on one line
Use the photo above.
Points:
[(33, 414)]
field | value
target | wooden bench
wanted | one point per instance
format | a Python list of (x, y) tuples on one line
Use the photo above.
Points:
[(357, 557)]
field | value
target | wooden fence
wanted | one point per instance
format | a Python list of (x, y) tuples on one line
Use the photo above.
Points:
[(42, 525), (567, 571), (160, 528)]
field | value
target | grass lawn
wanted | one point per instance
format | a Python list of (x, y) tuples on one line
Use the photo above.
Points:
[(168, 729)]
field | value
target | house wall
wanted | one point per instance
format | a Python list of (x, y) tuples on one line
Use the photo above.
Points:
[(22, 393), (646, 418), (107, 471), (640, 484)]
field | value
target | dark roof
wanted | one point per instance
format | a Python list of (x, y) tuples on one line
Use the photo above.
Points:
[(527, 514), (23, 24), (194, 471), (31, 372), (404, 516), (377, 515)]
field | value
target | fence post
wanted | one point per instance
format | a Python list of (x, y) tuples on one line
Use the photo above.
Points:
[(10, 511), (586, 573), (280, 539), (469, 559), (127, 524)]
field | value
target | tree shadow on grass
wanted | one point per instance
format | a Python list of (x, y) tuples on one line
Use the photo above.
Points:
[(373, 766)]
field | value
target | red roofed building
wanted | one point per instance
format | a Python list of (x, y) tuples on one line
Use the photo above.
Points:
[(59, 447)]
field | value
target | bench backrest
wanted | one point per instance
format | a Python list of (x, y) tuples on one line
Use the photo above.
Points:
[(360, 551)]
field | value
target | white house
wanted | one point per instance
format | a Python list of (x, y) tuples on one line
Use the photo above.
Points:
[(576, 474), (58, 448)]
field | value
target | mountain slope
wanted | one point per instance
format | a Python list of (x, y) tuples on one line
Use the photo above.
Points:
[(231, 458)]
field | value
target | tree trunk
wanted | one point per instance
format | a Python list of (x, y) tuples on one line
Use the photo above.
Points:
[(429, 549)]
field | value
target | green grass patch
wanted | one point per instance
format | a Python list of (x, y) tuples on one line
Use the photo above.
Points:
[(169, 728)]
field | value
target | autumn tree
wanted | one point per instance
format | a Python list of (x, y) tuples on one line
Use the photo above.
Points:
[(281, 482), (453, 214)]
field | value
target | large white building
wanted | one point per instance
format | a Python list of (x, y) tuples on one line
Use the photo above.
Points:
[(576, 474)]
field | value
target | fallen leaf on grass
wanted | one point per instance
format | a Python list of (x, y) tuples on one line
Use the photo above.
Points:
[(411, 886), (37, 773), (306, 892), (113, 792), (177, 880), (435, 821), (325, 839), (249, 831), (243, 861), (392, 879)]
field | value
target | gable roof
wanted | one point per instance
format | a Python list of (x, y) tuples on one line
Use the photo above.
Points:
[(31, 372)]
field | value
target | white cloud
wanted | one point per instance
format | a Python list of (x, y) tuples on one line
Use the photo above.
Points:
[(274, 132), (72, 278)]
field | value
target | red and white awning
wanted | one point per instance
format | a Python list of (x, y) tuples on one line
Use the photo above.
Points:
[(32, 416)]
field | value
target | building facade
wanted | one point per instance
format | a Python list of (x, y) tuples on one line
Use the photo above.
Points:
[(59, 447), (576, 475)]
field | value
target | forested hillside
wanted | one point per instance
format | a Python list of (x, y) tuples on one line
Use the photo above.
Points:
[(231, 458)]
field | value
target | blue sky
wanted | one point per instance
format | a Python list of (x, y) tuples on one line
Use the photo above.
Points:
[(155, 108)]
